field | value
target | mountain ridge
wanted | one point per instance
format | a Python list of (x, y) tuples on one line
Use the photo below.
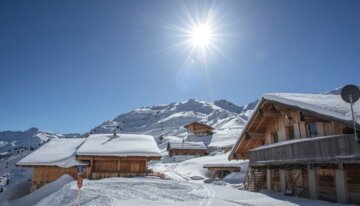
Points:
[(169, 119)]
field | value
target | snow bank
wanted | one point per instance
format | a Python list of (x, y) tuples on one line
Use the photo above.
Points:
[(193, 138), (193, 169), (17, 191), (57, 152), (225, 138), (121, 145), (37, 195)]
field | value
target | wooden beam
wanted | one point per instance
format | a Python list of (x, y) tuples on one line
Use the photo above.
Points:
[(281, 108), (270, 113), (254, 135), (309, 118), (259, 124), (238, 156)]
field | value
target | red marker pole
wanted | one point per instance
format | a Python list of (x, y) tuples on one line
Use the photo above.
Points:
[(80, 170), (79, 184)]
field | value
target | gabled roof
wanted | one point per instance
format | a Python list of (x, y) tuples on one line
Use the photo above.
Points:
[(186, 126), (57, 152), (123, 145), (187, 145), (326, 106)]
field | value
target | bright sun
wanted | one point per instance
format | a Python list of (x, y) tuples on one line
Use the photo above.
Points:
[(201, 35)]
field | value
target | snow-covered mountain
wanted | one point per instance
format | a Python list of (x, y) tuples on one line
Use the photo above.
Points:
[(169, 119), (33, 137)]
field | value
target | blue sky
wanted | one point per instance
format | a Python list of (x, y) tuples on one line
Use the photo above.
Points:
[(67, 66)]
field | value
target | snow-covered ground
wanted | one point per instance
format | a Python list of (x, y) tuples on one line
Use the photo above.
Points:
[(151, 191), (192, 169), (19, 195)]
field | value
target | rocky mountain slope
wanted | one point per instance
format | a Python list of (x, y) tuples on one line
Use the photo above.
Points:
[(169, 119)]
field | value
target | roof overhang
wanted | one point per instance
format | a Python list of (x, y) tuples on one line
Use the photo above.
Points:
[(257, 111)]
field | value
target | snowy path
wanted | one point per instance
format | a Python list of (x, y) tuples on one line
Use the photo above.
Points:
[(209, 197), (174, 174), (151, 191)]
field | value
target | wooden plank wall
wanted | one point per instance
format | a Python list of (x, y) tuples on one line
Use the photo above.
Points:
[(275, 180), (297, 181), (353, 183), (46, 174), (326, 184), (103, 167), (186, 152), (277, 125)]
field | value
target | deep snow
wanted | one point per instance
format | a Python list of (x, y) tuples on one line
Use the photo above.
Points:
[(58, 152), (151, 191), (192, 169)]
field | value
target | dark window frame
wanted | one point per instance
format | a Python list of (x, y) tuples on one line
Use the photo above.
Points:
[(274, 137), (290, 134), (311, 129)]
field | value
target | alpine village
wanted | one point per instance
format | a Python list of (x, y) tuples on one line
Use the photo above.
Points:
[(293, 144), (179, 103)]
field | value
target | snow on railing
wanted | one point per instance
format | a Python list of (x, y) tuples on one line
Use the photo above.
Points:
[(318, 149)]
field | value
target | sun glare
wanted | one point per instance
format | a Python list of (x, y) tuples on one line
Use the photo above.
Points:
[(201, 35)]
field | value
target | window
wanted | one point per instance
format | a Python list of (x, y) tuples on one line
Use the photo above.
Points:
[(311, 129), (274, 137), (290, 132)]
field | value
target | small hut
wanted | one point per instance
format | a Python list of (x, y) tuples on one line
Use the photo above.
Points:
[(186, 148), (199, 129), (221, 170)]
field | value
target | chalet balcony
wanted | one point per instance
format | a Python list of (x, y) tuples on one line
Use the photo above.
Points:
[(337, 148)]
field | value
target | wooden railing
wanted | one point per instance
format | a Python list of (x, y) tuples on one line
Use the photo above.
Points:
[(319, 149)]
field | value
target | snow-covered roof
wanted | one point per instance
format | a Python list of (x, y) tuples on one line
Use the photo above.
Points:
[(323, 104), (222, 165), (187, 145), (225, 138), (123, 145), (57, 152)]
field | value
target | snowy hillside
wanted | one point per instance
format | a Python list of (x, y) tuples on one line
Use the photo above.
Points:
[(32, 137), (169, 119)]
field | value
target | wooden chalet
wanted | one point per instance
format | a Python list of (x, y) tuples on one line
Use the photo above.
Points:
[(53, 160), (186, 148), (102, 155), (303, 145), (118, 155), (199, 129), (219, 171)]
